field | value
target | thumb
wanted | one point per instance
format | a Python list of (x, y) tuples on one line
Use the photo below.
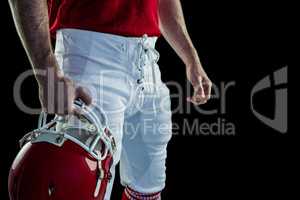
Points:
[(83, 94), (199, 90)]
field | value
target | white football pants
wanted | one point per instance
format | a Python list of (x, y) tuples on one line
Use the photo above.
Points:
[(125, 81)]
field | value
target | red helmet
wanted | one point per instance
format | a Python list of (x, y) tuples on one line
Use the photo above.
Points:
[(68, 163)]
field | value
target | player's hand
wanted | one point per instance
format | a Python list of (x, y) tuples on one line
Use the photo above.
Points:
[(57, 94), (200, 82)]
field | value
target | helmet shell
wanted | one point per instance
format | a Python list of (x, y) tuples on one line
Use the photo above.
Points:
[(45, 171)]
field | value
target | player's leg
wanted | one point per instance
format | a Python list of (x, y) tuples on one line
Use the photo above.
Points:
[(94, 62), (114, 109), (146, 135)]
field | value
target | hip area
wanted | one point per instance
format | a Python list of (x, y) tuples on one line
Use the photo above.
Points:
[(108, 59)]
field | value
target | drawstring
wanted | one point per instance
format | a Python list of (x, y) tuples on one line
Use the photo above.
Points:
[(145, 50)]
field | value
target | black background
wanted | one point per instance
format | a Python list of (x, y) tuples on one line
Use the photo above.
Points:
[(237, 41)]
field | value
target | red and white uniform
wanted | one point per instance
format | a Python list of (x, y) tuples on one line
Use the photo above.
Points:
[(120, 17), (99, 44)]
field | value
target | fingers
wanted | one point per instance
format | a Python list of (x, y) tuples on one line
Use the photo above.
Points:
[(54, 97), (77, 112), (202, 92), (59, 96), (197, 100), (207, 85), (83, 94), (73, 94), (67, 94)]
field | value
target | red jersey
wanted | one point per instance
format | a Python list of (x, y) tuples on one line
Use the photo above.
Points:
[(121, 17)]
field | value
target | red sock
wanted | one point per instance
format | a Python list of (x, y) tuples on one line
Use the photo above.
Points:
[(130, 194)]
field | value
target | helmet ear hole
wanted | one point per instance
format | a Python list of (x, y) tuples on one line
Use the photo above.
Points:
[(103, 148), (100, 149)]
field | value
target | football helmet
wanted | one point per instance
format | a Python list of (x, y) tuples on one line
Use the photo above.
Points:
[(64, 161)]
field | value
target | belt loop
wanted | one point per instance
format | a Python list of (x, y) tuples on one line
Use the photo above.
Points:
[(123, 47)]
